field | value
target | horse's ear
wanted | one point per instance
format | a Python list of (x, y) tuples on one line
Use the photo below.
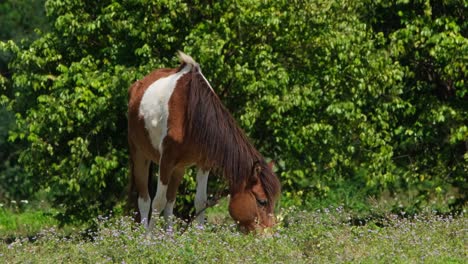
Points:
[(257, 169)]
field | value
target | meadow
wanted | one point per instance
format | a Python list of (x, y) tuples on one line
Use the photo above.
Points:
[(328, 235), (351, 98)]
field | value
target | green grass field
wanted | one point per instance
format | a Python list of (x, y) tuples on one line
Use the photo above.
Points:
[(330, 235)]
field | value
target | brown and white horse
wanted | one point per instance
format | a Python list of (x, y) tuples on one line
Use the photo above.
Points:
[(176, 120)]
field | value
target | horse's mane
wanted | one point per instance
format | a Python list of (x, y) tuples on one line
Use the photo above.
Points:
[(223, 143)]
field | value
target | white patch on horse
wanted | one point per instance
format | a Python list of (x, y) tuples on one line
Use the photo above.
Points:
[(144, 206), (168, 213), (154, 106), (160, 200), (169, 210)]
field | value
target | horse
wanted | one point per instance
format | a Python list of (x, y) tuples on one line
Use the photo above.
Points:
[(176, 120)]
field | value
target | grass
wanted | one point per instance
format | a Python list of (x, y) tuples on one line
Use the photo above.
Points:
[(329, 235), (26, 223)]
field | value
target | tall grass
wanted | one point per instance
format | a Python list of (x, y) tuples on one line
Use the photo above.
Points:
[(329, 235)]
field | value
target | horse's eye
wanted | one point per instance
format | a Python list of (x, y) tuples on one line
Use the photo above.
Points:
[(262, 202)]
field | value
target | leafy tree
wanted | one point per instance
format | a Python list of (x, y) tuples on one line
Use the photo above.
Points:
[(336, 92), (18, 20), (429, 39)]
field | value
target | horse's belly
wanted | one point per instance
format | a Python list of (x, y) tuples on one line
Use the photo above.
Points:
[(154, 107)]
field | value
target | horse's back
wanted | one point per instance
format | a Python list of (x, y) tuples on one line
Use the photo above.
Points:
[(148, 109)]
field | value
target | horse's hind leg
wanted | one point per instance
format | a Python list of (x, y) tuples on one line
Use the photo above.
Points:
[(166, 167), (171, 194), (140, 171)]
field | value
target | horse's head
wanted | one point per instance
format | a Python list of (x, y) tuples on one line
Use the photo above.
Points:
[(253, 206)]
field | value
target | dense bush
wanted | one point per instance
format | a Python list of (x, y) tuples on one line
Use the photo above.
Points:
[(18, 22), (336, 92)]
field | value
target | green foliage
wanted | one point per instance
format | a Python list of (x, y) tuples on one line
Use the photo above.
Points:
[(336, 92), (19, 20)]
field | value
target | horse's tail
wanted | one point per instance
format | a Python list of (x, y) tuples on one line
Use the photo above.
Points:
[(184, 58)]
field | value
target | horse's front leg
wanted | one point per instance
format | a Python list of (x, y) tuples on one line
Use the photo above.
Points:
[(200, 197)]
